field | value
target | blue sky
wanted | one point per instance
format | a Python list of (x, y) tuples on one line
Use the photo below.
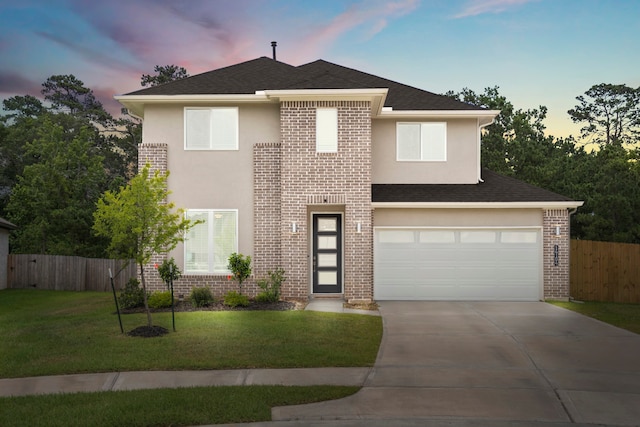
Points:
[(539, 52)]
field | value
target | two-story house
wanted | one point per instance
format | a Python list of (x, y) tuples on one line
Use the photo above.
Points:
[(356, 185)]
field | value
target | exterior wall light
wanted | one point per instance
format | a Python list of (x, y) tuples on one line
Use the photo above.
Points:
[(358, 227), (557, 230), (294, 227)]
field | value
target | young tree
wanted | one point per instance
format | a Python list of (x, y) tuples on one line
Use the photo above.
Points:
[(139, 222), (165, 74)]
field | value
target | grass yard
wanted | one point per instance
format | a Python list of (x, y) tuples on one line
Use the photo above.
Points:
[(53, 332), (626, 316), (164, 407)]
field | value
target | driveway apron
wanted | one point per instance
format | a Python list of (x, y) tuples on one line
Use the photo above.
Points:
[(501, 361)]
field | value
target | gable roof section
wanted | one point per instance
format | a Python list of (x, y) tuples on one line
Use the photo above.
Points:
[(266, 74), (496, 188)]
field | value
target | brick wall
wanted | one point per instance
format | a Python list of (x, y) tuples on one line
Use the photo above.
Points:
[(344, 176), (556, 277), (266, 182)]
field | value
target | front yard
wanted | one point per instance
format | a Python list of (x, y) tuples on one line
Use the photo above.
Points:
[(52, 333)]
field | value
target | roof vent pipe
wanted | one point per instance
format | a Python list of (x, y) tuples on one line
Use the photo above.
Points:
[(273, 45)]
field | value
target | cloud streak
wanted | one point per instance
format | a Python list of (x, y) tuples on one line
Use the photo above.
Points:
[(480, 7), (373, 17)]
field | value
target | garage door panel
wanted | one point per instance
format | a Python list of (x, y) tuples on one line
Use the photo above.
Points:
[(457, 265)]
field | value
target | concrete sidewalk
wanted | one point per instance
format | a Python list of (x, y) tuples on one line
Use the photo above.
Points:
[(115, 381)]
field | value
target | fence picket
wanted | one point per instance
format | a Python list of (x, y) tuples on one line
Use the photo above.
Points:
[(605, 271), (66, 273)]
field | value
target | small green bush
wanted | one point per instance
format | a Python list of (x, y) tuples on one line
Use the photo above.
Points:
[(201, 297), (160, 299), (235, 299), (168, 271), (132, 296), (240, 266), (271, 286)]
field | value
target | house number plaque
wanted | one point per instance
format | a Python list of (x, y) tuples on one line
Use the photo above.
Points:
[(556, 255)]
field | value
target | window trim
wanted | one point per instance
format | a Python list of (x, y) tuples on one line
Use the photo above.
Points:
[(422, 126), (211, 145), (211, 254), (322, 130)]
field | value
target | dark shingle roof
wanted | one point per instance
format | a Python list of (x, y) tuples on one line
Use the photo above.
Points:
[(495, 188), (266, 74)]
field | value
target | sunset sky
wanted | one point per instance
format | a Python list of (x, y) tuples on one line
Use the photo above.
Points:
[(539, 52)]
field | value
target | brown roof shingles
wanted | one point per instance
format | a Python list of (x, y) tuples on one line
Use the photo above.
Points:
[(266, 74), (495, 188)]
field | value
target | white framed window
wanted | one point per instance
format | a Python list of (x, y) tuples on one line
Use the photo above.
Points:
[(421, 141), (208, 245), (327, 130), (214, 128)]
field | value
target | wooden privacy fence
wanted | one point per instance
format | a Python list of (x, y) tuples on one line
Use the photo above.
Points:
[(605, 271), (66, 273)]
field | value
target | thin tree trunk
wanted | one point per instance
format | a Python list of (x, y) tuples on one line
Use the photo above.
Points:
[(144, 291)]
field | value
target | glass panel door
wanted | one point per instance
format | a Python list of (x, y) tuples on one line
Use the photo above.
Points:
[(327, 253)]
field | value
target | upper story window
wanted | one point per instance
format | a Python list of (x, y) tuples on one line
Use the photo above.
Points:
[(211, 128), (327, 130), (209, 244), (421, 142)]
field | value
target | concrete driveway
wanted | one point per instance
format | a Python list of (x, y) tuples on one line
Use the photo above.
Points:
[(491, 363)]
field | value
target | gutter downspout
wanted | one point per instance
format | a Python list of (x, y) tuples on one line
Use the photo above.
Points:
[(493, 120)]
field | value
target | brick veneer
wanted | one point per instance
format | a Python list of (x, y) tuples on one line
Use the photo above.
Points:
[(267, 218), (556, 277), (323, 179)]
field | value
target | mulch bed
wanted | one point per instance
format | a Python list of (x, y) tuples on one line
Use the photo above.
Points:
[(184, 306)]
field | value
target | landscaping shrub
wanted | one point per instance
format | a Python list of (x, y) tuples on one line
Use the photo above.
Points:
[(201, 297), (240, 266), (160, 300), (271, 286), (235, 299), (132, 296), (168, 271)]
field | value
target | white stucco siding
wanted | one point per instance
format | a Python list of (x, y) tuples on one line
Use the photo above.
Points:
[(461, 166), (204, 179)]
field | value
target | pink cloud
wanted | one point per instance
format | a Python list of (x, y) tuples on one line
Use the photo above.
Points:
[(479, 7), (374, 15), (12, 83)]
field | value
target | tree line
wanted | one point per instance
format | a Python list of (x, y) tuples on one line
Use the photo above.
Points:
[(58, 156)]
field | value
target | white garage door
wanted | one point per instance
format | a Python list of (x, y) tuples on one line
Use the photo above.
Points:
[(457, 264)]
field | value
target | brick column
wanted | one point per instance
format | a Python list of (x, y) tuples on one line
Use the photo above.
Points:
[(266, 205), (556, 253), (155, 154)]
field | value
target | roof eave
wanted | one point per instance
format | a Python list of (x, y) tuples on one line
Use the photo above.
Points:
[(483, 115), (569, 204), (136, 103)]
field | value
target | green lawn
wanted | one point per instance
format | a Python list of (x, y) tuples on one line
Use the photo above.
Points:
[(167, 407), (626, 316), (53, 332), (50, 333)]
